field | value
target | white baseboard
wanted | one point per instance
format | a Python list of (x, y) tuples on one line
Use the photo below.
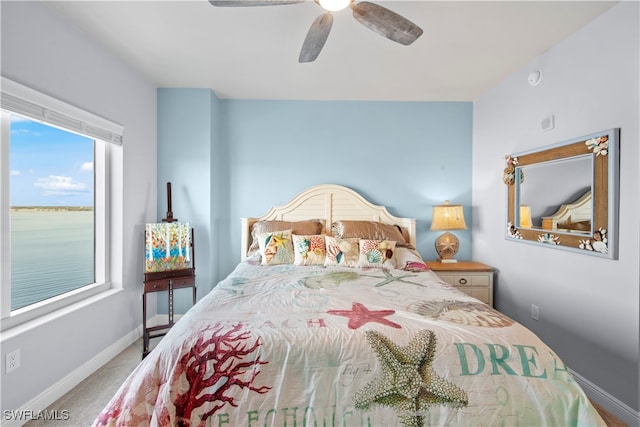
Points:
[(66, 384), (620, 410)]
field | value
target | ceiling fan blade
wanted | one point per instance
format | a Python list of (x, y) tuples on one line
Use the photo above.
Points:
[(246, 3), (316, 37), (386, 23)]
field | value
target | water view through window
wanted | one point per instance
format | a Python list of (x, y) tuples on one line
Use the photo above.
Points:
[(52, 212)]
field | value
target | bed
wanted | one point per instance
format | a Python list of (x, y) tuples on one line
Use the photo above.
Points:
[(351, 329)]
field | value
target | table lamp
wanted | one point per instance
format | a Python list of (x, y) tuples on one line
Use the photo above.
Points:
[(448, 217)]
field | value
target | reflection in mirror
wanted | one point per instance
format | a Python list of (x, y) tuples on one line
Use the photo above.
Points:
[(550, 188), (575, 217), (525, 216), (565, 196)]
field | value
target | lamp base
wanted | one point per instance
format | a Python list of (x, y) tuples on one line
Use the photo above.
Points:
[(447, 247), (448, 261)]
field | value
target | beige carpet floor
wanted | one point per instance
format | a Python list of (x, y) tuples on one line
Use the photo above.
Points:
[(85, 402)]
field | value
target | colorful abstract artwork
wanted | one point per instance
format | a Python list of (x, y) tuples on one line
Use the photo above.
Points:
[(167, 246)]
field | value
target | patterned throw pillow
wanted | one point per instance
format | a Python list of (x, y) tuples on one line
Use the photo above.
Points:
[(312, 226), (276, 247), (309, 249), (342, 252), (377, 253), (410, 260)]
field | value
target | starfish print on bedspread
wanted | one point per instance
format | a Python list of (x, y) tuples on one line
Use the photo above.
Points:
[(388, 278), (407, 381), (360, 315)]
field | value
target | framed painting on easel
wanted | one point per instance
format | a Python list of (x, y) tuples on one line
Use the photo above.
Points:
[(167, 246)]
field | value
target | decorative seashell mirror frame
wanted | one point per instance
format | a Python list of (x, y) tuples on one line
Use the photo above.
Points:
[(596, 235)]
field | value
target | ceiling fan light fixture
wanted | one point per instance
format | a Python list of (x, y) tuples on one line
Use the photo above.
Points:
[(334, 5)]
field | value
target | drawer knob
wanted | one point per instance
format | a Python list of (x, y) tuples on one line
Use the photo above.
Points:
[(462, 281)]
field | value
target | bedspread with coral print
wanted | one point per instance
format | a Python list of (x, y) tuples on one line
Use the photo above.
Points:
[(289, 345)]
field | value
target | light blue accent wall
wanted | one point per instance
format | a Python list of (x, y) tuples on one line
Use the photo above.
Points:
[(407, 156), (189, 158)]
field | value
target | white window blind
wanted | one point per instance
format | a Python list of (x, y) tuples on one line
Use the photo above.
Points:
[(27, 102)]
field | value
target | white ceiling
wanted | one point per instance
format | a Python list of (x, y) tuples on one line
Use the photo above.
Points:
[(252, 52)]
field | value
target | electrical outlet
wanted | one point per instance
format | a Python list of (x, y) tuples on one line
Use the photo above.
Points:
[(12, 361), (535, 312)]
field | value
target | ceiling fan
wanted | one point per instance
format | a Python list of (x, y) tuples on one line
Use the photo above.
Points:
[(377, 18)]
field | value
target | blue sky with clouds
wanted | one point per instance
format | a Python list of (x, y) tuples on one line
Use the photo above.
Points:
[(49, 166)]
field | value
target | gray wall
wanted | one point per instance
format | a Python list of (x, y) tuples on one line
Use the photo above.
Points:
[(588, 305), (42, 51)]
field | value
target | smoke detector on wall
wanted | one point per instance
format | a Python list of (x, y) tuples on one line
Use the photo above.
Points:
[(534, 77)]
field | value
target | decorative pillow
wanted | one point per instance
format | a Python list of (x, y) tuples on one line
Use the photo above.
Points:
[(309, 249), (342, 252), (410, 260), (276, 247), (312, 226), (377, 253), (370, 230)]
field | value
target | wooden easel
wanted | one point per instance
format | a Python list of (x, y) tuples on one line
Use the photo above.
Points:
[(169, 217), (166, 281)]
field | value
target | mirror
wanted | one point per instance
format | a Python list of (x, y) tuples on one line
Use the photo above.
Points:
[(551, 185), (566, 195)]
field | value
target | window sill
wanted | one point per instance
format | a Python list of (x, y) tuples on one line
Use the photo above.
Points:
[(35, 315)]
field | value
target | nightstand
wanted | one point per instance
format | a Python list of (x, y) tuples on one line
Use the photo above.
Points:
[(472, 278)]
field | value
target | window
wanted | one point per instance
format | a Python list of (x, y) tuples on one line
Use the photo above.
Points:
[(54, 208), (51, 219)]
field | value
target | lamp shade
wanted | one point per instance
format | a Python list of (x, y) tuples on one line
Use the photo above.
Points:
[(448, 217), (525, 216)]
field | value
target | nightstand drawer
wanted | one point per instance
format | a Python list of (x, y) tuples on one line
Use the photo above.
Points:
[(464, 280), (481, 293), (473, 278)]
